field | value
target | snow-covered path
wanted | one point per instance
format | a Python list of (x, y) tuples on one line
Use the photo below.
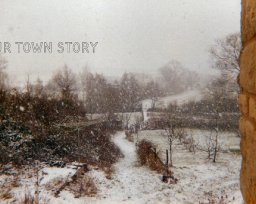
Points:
[(130, 182), (146, 104)]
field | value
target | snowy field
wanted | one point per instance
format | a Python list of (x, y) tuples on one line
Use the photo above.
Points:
[(199, 178), (179, 99)]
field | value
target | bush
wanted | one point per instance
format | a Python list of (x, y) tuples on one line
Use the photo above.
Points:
[(30, 130), (148, 156)]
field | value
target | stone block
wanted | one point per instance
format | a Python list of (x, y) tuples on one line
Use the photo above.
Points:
[(248, 19), (248, 68)]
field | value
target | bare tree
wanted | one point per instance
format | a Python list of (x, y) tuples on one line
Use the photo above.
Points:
[(38, 88), (153, 91), (171, 130), (130, 96), (178, 79), (226, 52), (89, 100), (96, 86), (66, 82), (28, 87), (215, 144), (171, 74), (218, 95), (211, 145), (83, 78), (3, 74), (111, 100), (190, 143), (130, 93)]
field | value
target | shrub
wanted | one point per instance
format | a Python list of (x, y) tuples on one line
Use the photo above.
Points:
[(148, 156)]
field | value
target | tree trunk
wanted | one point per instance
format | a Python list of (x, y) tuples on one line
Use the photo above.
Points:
[(170, 153), (167, 160), (216, 147)]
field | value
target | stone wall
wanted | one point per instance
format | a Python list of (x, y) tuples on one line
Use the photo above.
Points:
[(247, 101)]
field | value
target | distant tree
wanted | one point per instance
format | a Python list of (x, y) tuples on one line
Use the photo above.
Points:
[(3, 81), (89, 101), (28, 87), (178, 79), (191, 80), (153, 91), (51, 89), (83, 81), (112, 103), (38, 88), (65, 81), (130, 92), (225, 54), (171, 74), (221, 95), (222, 91), (99, 96), (96, 87), (130, 96), (3, 74)]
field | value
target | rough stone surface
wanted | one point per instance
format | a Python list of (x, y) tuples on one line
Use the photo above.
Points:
[(248, 173), (248, 64), (252, 108), (248, 19), (247, 101), (243, 103)]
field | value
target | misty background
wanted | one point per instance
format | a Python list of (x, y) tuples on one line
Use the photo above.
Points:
[(134, 36)]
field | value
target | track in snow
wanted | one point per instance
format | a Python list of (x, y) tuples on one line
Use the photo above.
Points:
[(130, 182)]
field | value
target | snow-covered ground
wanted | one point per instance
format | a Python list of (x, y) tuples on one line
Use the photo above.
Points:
[(198, 176), (163, 102), (179, 99), (199, 179)]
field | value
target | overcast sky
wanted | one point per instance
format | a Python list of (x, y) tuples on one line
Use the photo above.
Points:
[(133, 35)]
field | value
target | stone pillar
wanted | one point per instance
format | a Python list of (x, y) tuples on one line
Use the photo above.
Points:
[(247, 101)]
